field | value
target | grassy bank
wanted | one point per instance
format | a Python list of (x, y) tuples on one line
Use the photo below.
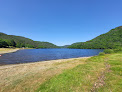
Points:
[(97, 74), (29, 76)]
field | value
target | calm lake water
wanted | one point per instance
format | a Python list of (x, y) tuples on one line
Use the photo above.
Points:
[(34, 55)]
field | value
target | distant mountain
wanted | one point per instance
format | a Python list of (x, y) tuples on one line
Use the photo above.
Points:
[(65, 46), (109, 40), (19, 41)]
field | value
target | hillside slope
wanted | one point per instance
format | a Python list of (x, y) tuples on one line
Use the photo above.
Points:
[(19, 41), (109, 40)]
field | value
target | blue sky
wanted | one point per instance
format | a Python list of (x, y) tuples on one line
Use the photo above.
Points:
[(61, 22)]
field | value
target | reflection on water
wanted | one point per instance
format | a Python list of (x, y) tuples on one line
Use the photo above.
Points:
[(34, 55)]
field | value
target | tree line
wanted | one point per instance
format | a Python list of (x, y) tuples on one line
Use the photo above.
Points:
[(8, 41), (109, 40)]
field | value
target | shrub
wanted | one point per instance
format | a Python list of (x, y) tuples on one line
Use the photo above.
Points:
[(108, 51), (118, 49), (101, 53)]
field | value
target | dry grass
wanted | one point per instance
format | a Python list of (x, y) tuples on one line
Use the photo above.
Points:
[(28, 77), (7, 50)]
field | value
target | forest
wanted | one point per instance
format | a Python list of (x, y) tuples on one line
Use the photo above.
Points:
[(10, 41), (109, 40)]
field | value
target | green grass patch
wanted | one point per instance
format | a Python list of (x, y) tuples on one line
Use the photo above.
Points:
[(82, 77), (114, 77), (79, 78)]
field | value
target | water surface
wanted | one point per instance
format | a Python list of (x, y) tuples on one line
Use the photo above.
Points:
[(34, 55)]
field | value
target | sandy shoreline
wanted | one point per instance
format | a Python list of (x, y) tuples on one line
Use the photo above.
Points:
[(38, 62), (57, 60), (8, 50), (11, 50)]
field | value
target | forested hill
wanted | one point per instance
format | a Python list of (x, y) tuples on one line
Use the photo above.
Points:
[(18, 41), (109, 40), (65, 46)]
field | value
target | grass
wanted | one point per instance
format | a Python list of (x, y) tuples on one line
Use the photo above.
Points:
[(85, 77), (8, 50), (114, 78), (28, 77)]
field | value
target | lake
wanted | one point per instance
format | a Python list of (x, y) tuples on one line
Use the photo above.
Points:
[(35, 55)]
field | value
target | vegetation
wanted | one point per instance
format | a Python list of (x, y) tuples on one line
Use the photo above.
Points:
[(101, 53), (19, 42), (99, 74), (65, 46), (28, 77), (110, 40), (108, 51)]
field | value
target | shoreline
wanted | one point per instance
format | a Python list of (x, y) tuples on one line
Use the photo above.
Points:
[(11, 50), (8, 50), (47, 61)]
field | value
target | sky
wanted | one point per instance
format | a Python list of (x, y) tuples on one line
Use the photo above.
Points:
[(61, 22)]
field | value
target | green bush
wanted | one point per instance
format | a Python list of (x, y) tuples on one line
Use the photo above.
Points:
[(118, 49), (101, 53), (108, 51)]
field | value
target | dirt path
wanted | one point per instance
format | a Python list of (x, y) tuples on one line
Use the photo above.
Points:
[(101, 79), (27, 77)]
